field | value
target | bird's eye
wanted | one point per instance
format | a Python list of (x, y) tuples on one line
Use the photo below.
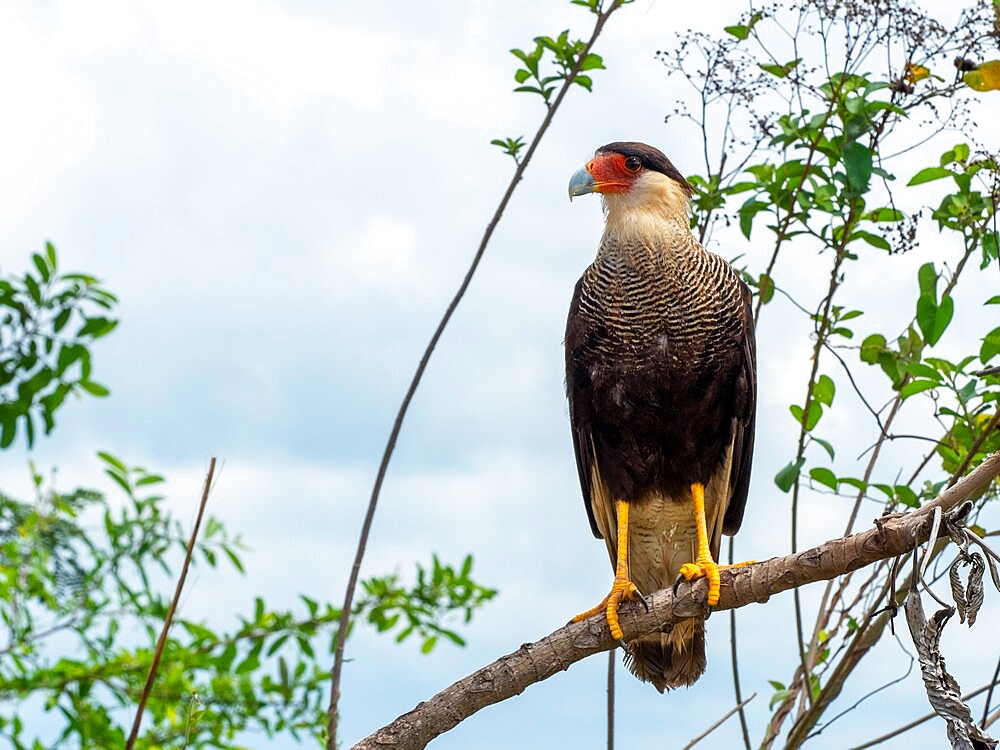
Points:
[(632, 164)]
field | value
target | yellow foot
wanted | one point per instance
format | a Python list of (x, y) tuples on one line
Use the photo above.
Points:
[(710, 570), (621, 590)]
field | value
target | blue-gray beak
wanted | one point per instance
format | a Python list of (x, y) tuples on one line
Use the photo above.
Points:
[(581, 183)]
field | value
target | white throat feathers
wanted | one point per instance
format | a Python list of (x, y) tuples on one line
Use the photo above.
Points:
[(653, 201)]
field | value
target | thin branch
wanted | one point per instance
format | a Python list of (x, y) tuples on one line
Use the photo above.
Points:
[(926, 717), (611, 698), (158, 653), (352, 582), (917, 722), (822, 332), (734, 661), (825, 725), (533, 662), (737, 708), (854, 385), (989, 694)]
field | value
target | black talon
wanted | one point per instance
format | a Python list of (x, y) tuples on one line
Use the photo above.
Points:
[(621, 642), (677, 583), (644, 600)]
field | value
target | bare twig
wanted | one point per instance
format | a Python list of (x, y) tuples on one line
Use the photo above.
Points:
[(352, 582), (737, 708), (162, 641), (989, 694), (512, 674), (822, 331), (734, 662), (611, 698)]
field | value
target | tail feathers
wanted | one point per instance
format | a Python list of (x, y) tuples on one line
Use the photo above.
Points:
[(669, 660)]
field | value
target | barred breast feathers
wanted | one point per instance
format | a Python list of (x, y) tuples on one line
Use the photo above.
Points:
[(651, 272)]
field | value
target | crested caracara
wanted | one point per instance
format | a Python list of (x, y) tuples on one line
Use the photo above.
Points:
[(661, 381)]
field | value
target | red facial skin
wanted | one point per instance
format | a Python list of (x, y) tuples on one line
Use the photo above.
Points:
[(610, 173)]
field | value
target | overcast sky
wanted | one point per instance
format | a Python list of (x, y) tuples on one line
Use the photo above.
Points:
[(284, 196)]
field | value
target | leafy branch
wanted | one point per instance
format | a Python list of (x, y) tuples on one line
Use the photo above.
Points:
[(48, 320)]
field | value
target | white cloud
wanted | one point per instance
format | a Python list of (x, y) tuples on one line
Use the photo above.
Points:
[(279, 57), (50, 117), (379, 254)]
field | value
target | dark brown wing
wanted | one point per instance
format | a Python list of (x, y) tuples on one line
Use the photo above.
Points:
[(578, 419), (744, 419)]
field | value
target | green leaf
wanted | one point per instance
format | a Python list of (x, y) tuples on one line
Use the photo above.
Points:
[(927, 278), (907, 496), (943, 315), (928, 175), (747, 212), (119, 479), (766, 286), (824, 477), (781, 71), (884, 215), (824, 390), (916, 386), (112, 460), (927, 311), (872, 239), (234, 559), (94, 389), (42, 266), (739, 31), (990, 242), (858, 164), (812, 418), (785, 479), (777, 698), (97, 327), (921, 370), (872, 347), (990, 347), (824, 444), (857, 484), (33, 289)]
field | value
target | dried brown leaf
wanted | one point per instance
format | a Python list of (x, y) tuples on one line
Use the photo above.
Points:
[(942, 689)]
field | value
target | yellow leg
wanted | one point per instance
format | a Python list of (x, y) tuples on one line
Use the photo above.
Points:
[(622, 589), (704, 565)]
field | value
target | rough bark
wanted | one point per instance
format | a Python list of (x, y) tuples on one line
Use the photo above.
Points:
[(510, 675)]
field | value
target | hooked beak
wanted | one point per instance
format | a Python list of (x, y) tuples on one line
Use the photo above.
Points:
[(581, 183)]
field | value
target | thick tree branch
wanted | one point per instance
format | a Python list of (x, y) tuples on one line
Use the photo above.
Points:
[(533, 662)]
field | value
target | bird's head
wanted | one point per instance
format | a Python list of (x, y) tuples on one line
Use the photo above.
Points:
[(634, 178)]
